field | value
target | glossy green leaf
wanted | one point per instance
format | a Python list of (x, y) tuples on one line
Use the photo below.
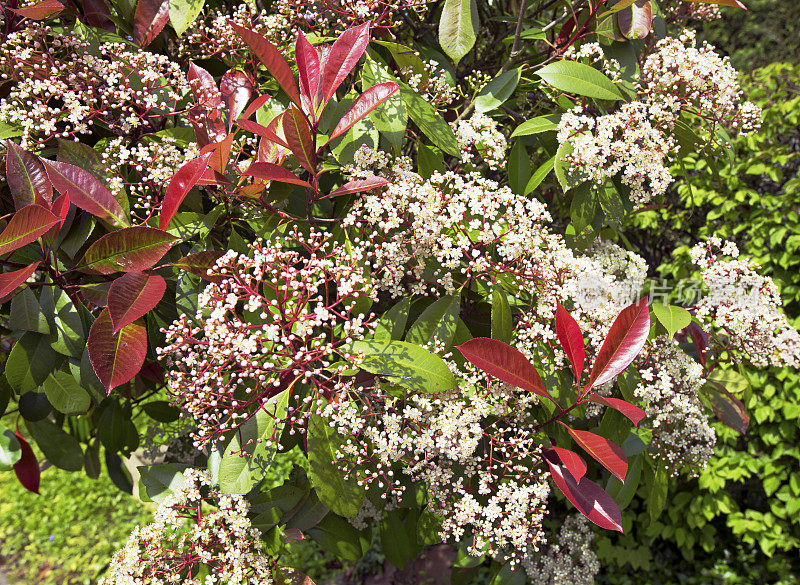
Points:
[(502, 324), (30, 362), (580, 79), (537, 125), (10, 450), (60, 448), (671, 317), (458, 28), (65, 394), (437, 323), (392, 323), (497, 91), (26, 313), (182, 13), (67, 334), (162, 480), (519, 168), (430, 121), (539, 175)]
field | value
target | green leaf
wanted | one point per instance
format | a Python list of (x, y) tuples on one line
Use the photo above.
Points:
[(336, 535), (65, 394), (26, 313), (537, 125), (111, 425), (497, 91), (10, 450), (731, 380), (60, 448), (398, 532), (252, 447), (510, 575), (429, 160), (458, 28), (437, 322), (657, 493), (67, 335), (183, 12), (566, 177), (30, 362), (519, 168), (577, 78), (392, 323), (162, 411), (391, 117), (502, 324), (540, 175), (671, 317), (337, 490), (161, 480), (430, 122)]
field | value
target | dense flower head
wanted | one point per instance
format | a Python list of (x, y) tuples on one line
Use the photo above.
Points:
[(568, 560), (272, 320), (481, 133), (195, 528), (744, 306)]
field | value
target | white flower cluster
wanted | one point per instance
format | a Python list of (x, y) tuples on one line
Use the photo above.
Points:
[(593, 53), (483, 134), (570, 560), (683, 439), (271, 321), (704, 12), (432, 83), (61, 88), (185, 536), (744, 306), (424, 235)]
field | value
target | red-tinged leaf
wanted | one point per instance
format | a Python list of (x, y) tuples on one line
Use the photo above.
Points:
[(96, 294), (26, 177), (85, 191), (132, 296), (359, 185), (60, 208), (504, 362), (212, 177), (179, 186), (25, 226), (728, 409), (571, 339), (272, 172), (307, 59), (366, 102), (254, 105), (149, 19), (220, 154), (9, 281), (152, 372), (589, 498), (636, 21), (263, 131), (700, 340), (236, 88), (132, 249), (731, 3), (205, 115), (97, 14), (573, 462), (27, 468), (272, 59), (40, 10), (200, 263), (116, 357), (608, 454), (299, 140), (624, 341), (634, 413), (339, 61)]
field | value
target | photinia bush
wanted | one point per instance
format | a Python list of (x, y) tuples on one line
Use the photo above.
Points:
[(238, 233)]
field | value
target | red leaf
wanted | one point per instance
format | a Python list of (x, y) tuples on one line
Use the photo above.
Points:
[(97, 13), (298, 137), (366, 102), (571, 339), (700, 340), (307, 59), (264, 131), (220, 154), (272, 172), (732, 3), (9, 281), (572, 461), (27, 468), (60, 208), (236, 89), (636, 21), (26, 177), (342, 57), (727, 408), (96, 294), (623, 343), (25, 226), (254, 105), (179, 186), (132, 296), (116, 357), (85, 191), (130, 249), (606, 453), (272, 59), (205, 115), (634, 413), (504, 362), (589, 498), (359, 185), (40, 10), (199, 263), (150, 18)]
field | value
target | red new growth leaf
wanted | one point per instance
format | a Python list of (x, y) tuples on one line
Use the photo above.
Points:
[(606, 453), (97, 14), (727, 408), (116, 357), (60, 208), (571, 339), (40, 10), (132, 296), (339, 61), (27, 468), (132, 249), (359, 185), (85, 191), (149, 19), (267, 132), (272, 172), (236, 89), (634, 413), (573, 462), (589, 498), (26, 177), (700, 340), (504, 362), (179, 186), (622, 344), (25, 226), (307, 59), (199, 263), (9, 281), (299, 139), (366, 102), (272, 59), (732, 3)]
